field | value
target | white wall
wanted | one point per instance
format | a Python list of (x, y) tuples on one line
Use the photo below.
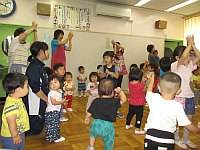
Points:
[(89, 47), (143, 20)]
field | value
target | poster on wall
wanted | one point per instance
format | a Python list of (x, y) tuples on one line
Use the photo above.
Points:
[(73, 18)]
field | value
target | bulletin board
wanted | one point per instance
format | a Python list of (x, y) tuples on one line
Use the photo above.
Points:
[(69, 17)]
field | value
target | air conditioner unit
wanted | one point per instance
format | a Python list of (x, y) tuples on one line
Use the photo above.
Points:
[(112, 11)]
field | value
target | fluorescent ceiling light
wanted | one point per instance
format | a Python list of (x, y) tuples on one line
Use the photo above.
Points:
[(142, 2), (180, 5)]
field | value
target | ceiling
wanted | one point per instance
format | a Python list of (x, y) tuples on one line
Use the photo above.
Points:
[(161, 5)]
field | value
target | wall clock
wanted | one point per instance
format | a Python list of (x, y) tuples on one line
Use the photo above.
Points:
[(7, 8)]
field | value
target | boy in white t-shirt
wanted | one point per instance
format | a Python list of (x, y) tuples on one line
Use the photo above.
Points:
[(165, 113)]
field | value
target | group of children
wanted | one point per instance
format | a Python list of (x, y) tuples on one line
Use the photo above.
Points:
[(172, 103)]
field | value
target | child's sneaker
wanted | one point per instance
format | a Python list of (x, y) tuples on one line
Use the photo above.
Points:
[(120, 115), (181, 144), (69, 109), (90, 148), (63, 119), (79, 96), (190, 144), (60, 139), (64, 110), (129, 126), (84, 95), (140, 131)]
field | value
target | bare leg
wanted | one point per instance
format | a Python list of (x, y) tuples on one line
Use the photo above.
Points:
[(92, 141)]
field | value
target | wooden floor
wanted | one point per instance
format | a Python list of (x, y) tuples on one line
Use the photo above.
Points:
[(77, 133)]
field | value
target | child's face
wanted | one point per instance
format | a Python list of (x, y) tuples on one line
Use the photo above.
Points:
[(68, 78), (93, 79), (24, 90), (82, 70), (60, 71), (107, 60), (150, 68), (54, 84), (60, 37)]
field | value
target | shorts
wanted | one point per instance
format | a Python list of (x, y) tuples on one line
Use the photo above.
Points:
[(81, 87), (189, 106)]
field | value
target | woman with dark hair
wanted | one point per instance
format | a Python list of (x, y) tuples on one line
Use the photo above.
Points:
[(58, 47), (36, 100), (18, 50)]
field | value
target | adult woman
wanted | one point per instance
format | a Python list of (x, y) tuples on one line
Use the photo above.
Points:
[(36, 100), (58, 47)]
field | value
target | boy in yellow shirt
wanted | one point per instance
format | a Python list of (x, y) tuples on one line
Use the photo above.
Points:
[(14, 117)]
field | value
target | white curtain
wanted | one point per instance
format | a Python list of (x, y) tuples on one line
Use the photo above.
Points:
[(192, 26)]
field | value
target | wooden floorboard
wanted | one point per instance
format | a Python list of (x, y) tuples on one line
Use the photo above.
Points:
[(77, 133)]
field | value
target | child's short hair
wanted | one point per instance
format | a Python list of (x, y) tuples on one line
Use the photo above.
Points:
[(106, 87), (67, 74), (170, 83), (37, 46), (52, 77), (57, 33), (99, 66), (135, 74), (178, 51), (165, 64), (49, 71), (133, 66), (80, 67), (142, 65), (19, 31), (109, 54), (93, 74), (195, 71), (150, 48), (12, 81), (57, 66)]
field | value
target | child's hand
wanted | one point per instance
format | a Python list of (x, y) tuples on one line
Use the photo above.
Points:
[(70, 35), (17, 139), (87, 120), (150, 76), (107, 72), (34, 25), (117, 90), (189, 40), (113, 42)]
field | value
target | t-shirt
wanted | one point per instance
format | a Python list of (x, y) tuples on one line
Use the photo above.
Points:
[(18, 53), (54, 45), (68, 85), (185, 72), (164, 114), (137, 95), (14, 106), (56, 95), (93, 88), (82, 76), (152, 59), (104, 109)]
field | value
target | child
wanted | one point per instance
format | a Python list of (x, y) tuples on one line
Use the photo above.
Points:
[(110, 71), (82, 77), (104, 111), (165, 113), (58, 47), (15, 120), (137, 100), (69, 88), (18, 49), (59, 69), (52, 114), (196, 81), (184, 67), (133, 66), (119, 61), (155, 53), (92, 88)]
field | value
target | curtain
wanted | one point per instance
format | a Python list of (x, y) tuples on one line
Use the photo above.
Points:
[(192, 26)]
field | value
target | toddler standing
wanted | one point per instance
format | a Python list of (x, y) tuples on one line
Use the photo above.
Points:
[(92, 88), (82, 77), (69, 88)]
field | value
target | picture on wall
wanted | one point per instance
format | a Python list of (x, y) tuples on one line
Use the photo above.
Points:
[(73, 18)]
